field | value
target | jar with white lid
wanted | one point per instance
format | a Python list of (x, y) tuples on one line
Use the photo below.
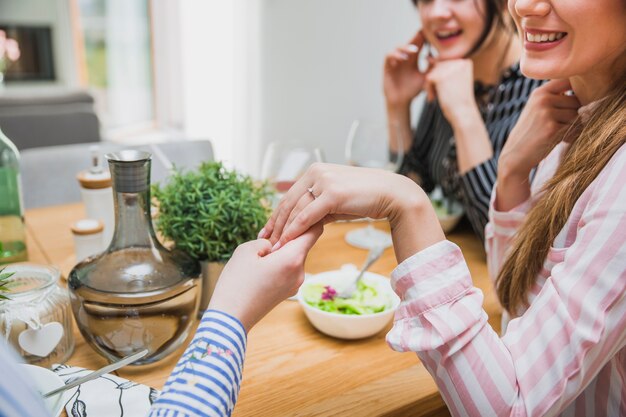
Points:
[(36, 319), (97, 195), (87, 238)]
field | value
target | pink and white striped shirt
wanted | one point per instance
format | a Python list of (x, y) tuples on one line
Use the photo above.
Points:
[(565, 354)]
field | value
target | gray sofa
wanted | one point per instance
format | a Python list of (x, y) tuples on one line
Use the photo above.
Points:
[(49, 119)]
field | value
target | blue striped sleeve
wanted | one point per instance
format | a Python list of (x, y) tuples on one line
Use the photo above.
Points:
[(206, 380)]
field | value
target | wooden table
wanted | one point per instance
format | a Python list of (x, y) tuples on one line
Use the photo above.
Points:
[(291, 369)]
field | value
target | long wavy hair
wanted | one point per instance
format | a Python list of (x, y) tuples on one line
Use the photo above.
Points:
[(600, 137)]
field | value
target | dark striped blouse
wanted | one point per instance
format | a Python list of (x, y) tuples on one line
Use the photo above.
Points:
[(431, 159)]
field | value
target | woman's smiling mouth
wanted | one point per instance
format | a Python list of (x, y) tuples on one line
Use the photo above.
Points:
[(535, 40), (544, 37), (448, 36)]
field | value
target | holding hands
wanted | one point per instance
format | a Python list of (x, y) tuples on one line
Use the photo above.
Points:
[(259, 276), (328, 192), (255, 281)]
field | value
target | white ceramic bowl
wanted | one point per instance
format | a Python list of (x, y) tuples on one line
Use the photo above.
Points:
[(449, 221), (346, 326), (45, 381)]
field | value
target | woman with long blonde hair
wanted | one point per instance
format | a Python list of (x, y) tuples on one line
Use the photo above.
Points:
[(556, 245)]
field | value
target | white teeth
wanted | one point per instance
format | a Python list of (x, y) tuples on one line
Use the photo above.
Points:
[(544, 37), (445, 34)]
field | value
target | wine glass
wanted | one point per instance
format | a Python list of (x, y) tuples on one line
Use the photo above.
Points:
[(285, 162), (369, 145)]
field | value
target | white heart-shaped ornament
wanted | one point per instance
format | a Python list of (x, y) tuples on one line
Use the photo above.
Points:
[(42, 341)]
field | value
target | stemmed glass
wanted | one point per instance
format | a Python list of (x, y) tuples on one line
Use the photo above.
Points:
[(285, 162), (369, 145)]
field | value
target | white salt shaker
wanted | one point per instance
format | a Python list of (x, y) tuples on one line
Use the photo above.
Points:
[(87, 238), (97, 196)]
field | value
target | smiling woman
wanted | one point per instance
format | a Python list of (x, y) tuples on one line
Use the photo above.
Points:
[(462, 29), (575, 39), (476, 93), (557, 244), (596, 76)]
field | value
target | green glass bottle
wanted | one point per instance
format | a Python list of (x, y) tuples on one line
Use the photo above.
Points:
[(12, 229)]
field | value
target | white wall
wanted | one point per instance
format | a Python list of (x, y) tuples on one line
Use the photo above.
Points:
[(207, 48), (167, 58), (256, 71), (321, 66)]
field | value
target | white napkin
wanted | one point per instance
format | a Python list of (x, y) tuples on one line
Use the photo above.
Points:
[(106, 396)]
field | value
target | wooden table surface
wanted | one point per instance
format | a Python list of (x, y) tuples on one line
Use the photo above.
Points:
[(291, 369)]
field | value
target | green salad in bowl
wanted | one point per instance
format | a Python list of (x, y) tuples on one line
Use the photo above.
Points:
[(366, 313), (367, 299)]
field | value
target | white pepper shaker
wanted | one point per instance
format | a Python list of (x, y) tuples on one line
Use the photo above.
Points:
[(87, 238), (97, 196)]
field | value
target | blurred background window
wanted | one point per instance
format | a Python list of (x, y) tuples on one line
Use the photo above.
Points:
[(118, 61)]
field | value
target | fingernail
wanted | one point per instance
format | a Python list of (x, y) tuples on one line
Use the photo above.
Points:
[(261, 234), (412, 48), (404, 56), (276, 246)]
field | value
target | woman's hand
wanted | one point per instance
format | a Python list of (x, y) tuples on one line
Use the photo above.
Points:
[(340, 192), (255, 280), (542, 124), (452, 83), (402, 80)]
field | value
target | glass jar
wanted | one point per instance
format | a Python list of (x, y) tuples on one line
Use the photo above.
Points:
[(36, 319), (136, 294)]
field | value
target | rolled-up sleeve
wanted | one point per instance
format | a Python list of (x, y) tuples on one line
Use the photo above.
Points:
[(570, 339)]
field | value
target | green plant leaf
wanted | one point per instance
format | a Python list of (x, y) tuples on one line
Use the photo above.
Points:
[(210, 211), (4, 284)]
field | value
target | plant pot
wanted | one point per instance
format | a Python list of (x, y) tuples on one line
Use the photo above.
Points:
[(211, 271)]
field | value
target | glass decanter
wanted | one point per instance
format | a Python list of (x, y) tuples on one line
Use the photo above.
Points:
[(136, 294)]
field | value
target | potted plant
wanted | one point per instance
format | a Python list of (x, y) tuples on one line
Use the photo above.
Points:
[(207, 213)]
